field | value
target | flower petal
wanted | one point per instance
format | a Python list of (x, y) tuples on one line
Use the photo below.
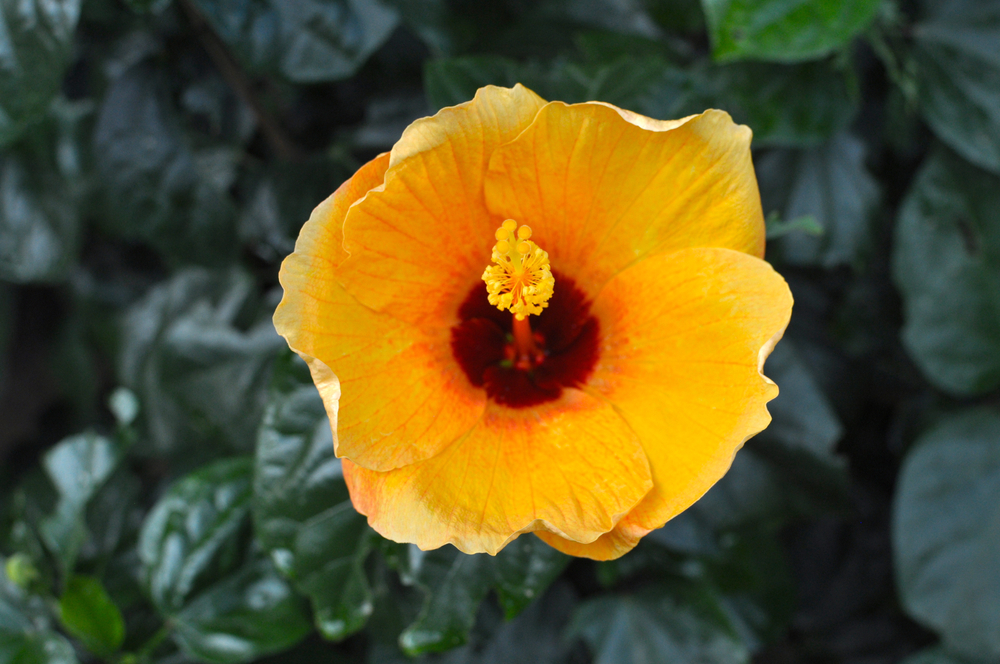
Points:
[(417, 244), (571, 466), (602, 187), (614, 544), (684, 339), (394, 393)]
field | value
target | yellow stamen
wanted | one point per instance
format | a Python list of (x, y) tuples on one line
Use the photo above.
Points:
[(520, 281)]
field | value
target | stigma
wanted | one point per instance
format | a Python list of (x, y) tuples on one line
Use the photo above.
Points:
[(520, 280)]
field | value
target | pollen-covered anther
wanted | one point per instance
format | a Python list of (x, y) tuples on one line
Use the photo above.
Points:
[(520, 279)]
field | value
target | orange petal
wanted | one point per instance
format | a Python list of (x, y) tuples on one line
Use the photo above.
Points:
[(602, 187), (394, 394), (684, 339), (418, 244), (570, 466), (614, 544)]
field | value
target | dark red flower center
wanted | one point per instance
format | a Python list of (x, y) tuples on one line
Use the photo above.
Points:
[(565, 334)]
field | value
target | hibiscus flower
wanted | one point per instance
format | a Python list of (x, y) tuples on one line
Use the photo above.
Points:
[(606, 373)]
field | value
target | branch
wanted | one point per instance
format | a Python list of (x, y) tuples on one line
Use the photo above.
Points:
[(240, 83)]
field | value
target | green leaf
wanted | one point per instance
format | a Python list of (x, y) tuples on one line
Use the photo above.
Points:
[(946, 532), (785, 105), (802, 418), (455, 584), (307, 41), (755, 491), (754, 580), (243, 617), (946, 263), (25, 634), (957, 68), (452, 81), (777, 227), (39, 225), (437, 24), (88, 613), (78, 467), (227, 606), (302, 511), (144, 6), (798, 105), (36, 42), (284, 197), (523, 570), (192, 534), (937, 656), (784, 30), (157, 188), (198, 350), (829, 184), (669, 623)]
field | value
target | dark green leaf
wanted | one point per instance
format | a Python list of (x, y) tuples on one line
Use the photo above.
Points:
[(829, 184), (678, 15), (143, 6), (937, 656), (157, 188), (946, 262), (435, 22), (88, 613), (946, 532), (25, 634), (39, 225), (784, 30), (243, 617), (306, 41), (112, 516), (78, 468), (192, 536), (674, 623), (764, 487), (539, 629), (524, 569), (199, 358), (449, 82), (227, 606), (302, 510), (36, 42), (456, 583), (802, 417), (283, 199), (793, 105), (785, 105), (755, 583), (956, 62), (777, 227)]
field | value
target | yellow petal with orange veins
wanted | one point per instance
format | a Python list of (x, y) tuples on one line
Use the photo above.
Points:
[(603, 188), (684, 337), (322, 235), (571, 466), (394, 393), (417, 244)]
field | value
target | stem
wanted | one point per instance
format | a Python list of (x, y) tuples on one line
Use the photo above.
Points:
[(146, 650), (524, 342), (239, 82)]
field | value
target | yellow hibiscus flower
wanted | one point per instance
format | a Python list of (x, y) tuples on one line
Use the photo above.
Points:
[(629, 374)]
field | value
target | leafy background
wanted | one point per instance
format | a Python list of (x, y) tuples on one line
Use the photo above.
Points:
[(169, 492)]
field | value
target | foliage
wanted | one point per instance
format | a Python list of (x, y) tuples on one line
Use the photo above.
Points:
[(169, 486)]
